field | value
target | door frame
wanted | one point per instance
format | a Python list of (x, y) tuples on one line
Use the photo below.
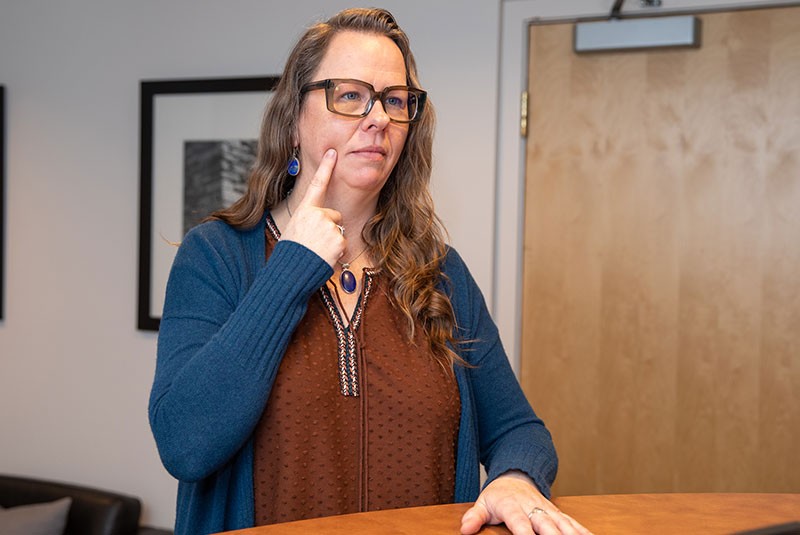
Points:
[(515, 19)]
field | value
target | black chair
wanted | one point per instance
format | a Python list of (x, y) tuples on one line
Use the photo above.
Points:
[(93, 511)]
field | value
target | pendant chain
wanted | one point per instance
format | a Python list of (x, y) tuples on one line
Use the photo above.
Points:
[(346, 265)]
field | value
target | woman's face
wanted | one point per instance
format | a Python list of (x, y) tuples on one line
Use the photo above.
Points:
[(368, 147)]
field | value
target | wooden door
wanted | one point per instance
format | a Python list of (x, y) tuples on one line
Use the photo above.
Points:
[(661, 306)]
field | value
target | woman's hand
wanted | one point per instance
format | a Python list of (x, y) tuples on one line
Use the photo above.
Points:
[(513, 499), (313, 225)]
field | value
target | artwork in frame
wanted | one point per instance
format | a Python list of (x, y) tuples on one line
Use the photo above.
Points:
[(198, 143), (2, 197)]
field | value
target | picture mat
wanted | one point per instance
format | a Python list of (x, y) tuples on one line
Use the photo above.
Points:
[(178, 118)]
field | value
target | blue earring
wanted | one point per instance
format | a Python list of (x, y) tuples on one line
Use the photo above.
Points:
[(294, 164)]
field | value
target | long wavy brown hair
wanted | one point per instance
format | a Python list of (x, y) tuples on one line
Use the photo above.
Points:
[(405, 237)]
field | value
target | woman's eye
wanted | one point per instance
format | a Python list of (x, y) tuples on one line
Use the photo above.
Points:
[(395, 102)]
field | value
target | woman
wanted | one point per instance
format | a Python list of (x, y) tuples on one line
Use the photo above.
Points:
[(321, 350)]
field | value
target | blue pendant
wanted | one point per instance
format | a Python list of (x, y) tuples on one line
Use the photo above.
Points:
[(348, 281), (294, 166)]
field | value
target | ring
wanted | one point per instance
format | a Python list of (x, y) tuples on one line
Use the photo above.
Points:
[(536, 511), (341, 229)]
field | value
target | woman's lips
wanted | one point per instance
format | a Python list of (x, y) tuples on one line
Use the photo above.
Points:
[(372, 153)]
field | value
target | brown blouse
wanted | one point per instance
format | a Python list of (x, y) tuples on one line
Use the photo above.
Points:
[(359, 417)]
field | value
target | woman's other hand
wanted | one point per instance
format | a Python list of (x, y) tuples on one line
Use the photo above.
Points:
[(513, 499), (313, 225)]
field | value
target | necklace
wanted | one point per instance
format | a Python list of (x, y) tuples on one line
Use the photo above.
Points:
[(347, 278), (287, 204)]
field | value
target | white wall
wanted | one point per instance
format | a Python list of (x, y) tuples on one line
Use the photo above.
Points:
[(74, 372)]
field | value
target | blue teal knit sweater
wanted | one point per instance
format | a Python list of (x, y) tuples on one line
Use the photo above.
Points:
[(227, 320)]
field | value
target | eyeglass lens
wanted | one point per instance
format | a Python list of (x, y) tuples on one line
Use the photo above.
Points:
[(355, 99)]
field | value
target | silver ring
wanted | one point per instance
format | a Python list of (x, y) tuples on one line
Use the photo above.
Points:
[(341, 229), (536, 511)]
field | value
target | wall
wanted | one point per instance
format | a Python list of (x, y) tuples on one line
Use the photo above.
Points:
[(74, 372)]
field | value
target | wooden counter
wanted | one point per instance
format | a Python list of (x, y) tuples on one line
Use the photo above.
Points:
[(652, 514)]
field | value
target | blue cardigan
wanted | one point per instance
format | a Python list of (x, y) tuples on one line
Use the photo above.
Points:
[(227, 320)]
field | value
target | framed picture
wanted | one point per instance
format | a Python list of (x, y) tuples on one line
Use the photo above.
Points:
[(198, 143), (2, 196)]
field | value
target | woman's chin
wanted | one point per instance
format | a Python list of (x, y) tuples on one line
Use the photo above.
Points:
[(363, 179)]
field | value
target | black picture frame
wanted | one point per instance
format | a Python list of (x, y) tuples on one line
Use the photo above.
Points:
[(2, 199), (186, 126)]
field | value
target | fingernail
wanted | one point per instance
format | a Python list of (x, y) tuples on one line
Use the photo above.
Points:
[(330, 153)]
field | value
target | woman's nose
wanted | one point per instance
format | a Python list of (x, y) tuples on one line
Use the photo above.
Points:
[(377, 116)]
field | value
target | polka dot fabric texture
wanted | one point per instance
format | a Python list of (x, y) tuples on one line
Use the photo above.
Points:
[(320, 453)]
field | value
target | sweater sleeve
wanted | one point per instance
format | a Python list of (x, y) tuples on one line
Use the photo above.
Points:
[(223, 333), (511, 436)]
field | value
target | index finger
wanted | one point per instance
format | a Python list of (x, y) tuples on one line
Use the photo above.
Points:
[(315, 194)]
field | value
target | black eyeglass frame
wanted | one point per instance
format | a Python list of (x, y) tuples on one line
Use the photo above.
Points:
[(330, 83)]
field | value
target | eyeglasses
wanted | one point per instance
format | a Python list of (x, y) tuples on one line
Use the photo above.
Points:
[(354, 98)]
